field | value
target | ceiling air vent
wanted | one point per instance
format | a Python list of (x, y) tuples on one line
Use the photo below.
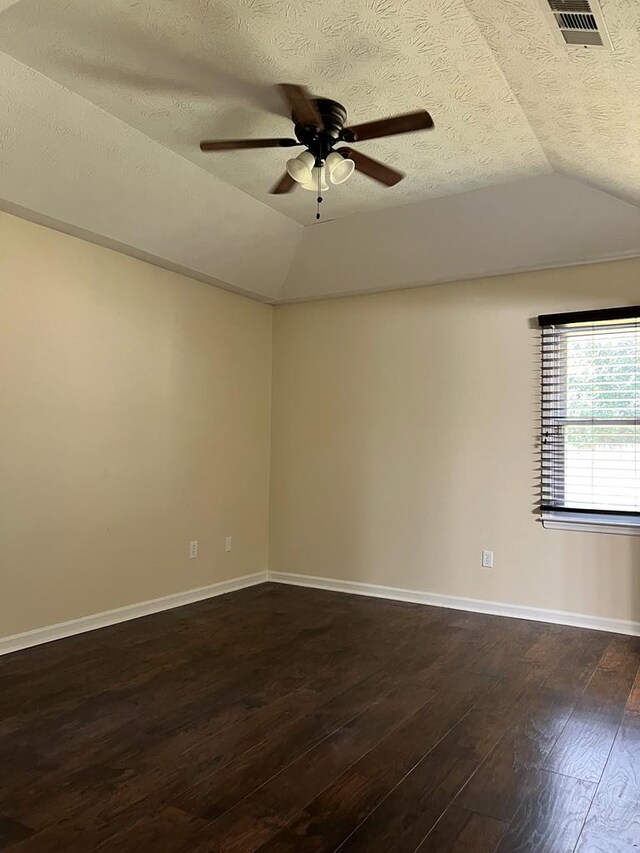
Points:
[(578, 22)]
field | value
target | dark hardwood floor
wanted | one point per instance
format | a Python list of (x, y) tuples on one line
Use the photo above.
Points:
[(286, 719)]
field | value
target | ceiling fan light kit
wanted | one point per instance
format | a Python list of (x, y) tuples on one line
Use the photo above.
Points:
[(305, 169), (340, 168), (300, 167), (319, 125), (317, 180)]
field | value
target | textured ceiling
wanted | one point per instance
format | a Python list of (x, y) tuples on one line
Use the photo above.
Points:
[(508, 99), (584, 105), (102, 106), (181, 70)]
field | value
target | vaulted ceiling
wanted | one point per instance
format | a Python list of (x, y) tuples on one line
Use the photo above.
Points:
[(103, 105)]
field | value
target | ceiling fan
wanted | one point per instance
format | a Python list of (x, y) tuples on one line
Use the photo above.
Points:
[(319, 125)]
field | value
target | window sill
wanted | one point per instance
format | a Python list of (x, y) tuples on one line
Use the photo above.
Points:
[(626, 525)]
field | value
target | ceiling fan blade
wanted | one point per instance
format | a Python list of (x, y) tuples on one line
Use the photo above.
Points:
[(284, 185), (373, 168), (389, 126), (235, 144), (303, 109)]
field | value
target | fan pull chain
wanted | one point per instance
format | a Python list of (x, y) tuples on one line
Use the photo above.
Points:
[(319, 198)]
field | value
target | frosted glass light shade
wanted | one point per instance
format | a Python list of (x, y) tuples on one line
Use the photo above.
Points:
[(299, 168), (340, 168), (312, 182)]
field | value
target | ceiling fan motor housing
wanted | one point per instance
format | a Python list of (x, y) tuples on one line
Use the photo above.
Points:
[(320, 143)]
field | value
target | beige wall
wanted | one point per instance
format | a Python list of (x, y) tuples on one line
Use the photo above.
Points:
[(404, 442), (135, 416), (135, 410)]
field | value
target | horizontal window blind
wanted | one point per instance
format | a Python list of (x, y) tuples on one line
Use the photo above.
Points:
[(591, 412)]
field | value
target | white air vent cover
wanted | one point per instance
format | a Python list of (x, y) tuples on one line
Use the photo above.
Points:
[(578, 22)]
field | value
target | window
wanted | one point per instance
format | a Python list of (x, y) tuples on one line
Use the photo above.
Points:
[(591, 419)]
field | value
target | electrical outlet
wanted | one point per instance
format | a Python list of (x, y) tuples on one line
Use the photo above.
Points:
[(227, 543), (487, 559), (193, 549)]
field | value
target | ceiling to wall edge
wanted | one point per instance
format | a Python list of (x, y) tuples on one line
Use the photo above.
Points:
[(161, 263), (417, 285), (126, 250)]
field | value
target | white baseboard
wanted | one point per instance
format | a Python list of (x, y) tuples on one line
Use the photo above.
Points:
[(144, 608), (123, 614), (494, 608)]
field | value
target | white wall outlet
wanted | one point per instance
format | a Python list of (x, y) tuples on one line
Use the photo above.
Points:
[(227, 543), (193, 549), (487, 559)]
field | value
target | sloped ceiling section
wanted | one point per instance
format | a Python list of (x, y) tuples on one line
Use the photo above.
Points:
[(540, 222), (71, 163)]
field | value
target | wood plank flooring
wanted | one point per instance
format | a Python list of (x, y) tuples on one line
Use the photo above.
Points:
[(287, 719)]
